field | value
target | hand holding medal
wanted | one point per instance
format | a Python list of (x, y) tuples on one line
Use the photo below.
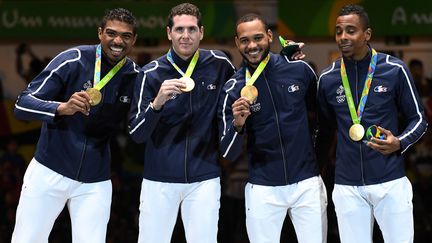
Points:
[(95, 96), (249, 92), (189, 83)]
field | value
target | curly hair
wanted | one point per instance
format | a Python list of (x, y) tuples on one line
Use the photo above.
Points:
[(120, 14)]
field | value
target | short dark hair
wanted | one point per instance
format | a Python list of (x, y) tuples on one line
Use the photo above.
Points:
[(120, 14), (251, 17), (186, 9), (358, 10)]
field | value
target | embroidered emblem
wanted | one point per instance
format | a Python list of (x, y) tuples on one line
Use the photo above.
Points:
[(125, 99), (211, 87), (340, 98), (255, 107), (380, 89), (293, 88)]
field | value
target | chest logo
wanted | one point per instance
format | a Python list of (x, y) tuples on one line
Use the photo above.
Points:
[(255, 107), (125, 99), (211, 87), (340, 97), (380, 89), (293, 88), (87, 84)]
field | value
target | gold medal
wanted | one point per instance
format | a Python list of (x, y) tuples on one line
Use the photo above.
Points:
[(356, 132), (190, 84), (95, 96), (249, 92)]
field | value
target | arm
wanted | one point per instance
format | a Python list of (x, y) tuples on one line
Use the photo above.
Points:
[(40, 100), (231, 139), (412, 109), (148, 100)]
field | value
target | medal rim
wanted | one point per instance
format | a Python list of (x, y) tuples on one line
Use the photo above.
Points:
[(190, 84), (356, 132), (249, 92), (95, 96)]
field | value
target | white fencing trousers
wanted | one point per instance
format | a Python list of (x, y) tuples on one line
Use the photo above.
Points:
[(390, 203), (159, 205), (43, 196), (305, 202)]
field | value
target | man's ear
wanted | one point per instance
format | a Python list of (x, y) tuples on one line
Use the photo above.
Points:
[(168, 30), (100, 33), (368, 34), (270, 34)]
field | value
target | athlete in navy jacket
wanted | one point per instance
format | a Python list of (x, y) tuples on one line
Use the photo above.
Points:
[(180, 130), (71, 164), (283, 171), (370, 178)]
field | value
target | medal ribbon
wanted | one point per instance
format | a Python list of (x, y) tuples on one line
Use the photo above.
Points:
[(356, 117), (251, 80), (191, 66), (97, 83)]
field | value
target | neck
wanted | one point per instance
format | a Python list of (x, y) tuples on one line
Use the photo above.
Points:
[(183, 57), (362, 54)]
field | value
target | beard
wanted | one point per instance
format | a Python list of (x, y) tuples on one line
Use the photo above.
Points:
[(256, 63)]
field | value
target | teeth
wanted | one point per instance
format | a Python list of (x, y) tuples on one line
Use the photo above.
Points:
[(253, 52), (116, 49)]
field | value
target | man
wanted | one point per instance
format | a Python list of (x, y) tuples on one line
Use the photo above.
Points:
[(369, 179), (174, 112), (283, 172), (72, 161)]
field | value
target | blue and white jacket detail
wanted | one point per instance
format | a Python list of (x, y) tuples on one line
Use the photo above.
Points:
[(77, 146), (181, 139), (279, 143), (392, 98)]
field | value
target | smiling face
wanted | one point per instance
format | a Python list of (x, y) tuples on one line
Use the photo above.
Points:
[(185, 35), (352, 37), (253, 41), (117, 39)]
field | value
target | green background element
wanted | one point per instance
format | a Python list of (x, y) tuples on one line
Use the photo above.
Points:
[(79, 19), (64, 19), (312, 18)]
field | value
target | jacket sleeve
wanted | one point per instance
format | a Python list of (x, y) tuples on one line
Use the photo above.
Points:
[(143, 119), (231, 141), (411, 107), (39, 101)]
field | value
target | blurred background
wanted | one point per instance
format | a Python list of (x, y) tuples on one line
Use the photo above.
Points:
[(33, 32)]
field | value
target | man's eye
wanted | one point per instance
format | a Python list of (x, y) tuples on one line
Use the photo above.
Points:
[(192, 30), (126, 37)]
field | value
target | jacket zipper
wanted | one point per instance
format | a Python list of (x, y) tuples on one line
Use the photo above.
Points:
[(279, 132), (360, 144), (187, 144), (82, 159)]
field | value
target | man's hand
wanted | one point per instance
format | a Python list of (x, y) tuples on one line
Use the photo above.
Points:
[(299, 55), (385, 146), (168, 89), (241, 111), (78, 102)]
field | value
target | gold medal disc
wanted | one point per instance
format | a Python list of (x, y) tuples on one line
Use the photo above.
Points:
[(95, 96), (356, 132), (190, 84), (249, 92)]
